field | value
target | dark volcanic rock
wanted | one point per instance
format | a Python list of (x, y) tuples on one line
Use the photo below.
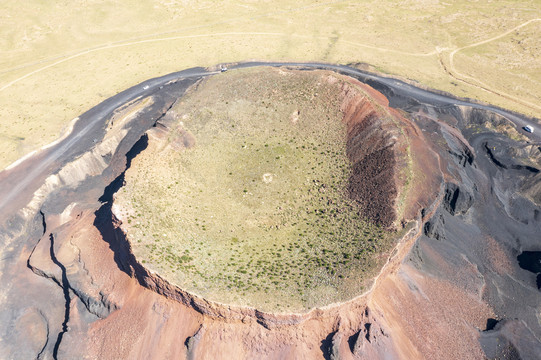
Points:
[(374, 142), (531, 261), (192, 342), (372, 185), (510, 339), (457, 201), (435, 227)]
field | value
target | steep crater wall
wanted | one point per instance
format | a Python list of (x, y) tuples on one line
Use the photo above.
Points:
[(372, 138)]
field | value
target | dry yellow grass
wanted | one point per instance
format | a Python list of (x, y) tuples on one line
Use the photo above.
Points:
[(59, 59), (514, 65)]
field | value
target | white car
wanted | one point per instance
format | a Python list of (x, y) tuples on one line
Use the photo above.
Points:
[(146, 87), (528, 128)]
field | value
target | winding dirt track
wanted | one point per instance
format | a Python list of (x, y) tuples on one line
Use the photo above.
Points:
[(454, 73)]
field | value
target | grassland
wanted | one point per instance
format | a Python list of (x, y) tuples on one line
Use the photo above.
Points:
[(515, 64), (256, 210), (60, 59)]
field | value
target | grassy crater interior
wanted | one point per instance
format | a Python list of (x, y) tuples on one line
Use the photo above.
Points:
[(246, 198)]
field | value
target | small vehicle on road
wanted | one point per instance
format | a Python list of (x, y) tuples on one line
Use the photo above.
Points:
[(223, 69), (146, 87), (528, 128)]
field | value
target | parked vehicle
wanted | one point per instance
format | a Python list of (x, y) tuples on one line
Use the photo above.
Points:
[(528, 128)]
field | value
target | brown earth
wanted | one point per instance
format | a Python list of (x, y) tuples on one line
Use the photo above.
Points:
[(372, 152)]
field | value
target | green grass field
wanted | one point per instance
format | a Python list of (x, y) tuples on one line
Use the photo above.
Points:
[(256, 212)]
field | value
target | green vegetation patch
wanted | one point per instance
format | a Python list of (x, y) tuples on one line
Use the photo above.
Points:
[(247, 201)]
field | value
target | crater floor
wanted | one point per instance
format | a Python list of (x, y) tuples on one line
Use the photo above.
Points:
[(247, 192)]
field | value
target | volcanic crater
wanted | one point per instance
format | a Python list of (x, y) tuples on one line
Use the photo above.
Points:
[(423, 224), (274, 189)]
